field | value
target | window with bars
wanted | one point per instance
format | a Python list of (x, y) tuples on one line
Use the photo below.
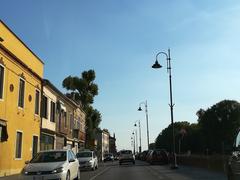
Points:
[(37, 98), (18, 153), (53, 106), (34, 146), (65, 118), (1, 81), (45, 107), (71, 122), (21, 93)]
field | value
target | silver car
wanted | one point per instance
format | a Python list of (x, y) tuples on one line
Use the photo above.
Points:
[(126, 156), (87, 160), (53, 164), (233, 167)]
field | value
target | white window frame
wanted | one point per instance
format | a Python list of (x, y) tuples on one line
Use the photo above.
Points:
[(19, 93), (16, 146), (39, 104), (2, 98)]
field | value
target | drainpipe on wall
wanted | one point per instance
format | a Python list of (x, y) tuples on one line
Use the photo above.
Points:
[(41, 107)]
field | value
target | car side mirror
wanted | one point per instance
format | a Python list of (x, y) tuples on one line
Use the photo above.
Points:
[(71, 160), (27, 162)]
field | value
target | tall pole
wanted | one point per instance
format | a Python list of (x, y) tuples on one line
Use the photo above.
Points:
[(132, 141), (134, 151), (140, 138), (169, 70), (136, 141), (139, 148), (171, 108), (146, 111)]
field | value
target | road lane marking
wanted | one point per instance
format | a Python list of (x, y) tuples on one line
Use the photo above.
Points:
[(100, 173)]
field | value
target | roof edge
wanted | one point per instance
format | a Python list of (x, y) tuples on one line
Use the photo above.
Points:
[(22, 42)]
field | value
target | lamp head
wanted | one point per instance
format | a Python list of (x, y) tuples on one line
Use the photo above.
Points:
[(156, 65), (135, 124), (139, 109)]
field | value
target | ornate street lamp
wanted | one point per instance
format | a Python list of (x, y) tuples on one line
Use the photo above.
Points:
[(134, 143), (140, 138), (156, 65), (146, 112)]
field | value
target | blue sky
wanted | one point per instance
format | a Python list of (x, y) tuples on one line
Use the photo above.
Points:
[(119, 40)]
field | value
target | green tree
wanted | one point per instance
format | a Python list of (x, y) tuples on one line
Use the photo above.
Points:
[(152, 146), (164, 139), (186, 137), (83, 90), (219, 125)]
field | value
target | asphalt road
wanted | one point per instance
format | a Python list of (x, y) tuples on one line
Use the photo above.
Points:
[(143, 171)]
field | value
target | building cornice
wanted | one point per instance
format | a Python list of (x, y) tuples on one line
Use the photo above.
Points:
[(10, 54)]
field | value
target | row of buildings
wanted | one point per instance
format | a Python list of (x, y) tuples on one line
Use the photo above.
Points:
[(34, 114)]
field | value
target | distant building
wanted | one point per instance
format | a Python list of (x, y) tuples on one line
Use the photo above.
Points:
[(79, 127), (112, 144), (68, 117), (102, 143), (48, 125)]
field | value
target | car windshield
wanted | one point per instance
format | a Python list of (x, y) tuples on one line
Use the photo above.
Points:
[(84, 154), (45, 157)]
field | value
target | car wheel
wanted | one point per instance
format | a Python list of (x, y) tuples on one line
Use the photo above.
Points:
[(93, 168), (68, 176)]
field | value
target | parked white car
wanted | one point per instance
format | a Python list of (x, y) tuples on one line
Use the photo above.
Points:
[(87, 160), (52, 164)]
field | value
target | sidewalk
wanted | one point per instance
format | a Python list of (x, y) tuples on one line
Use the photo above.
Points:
[(13, 177)]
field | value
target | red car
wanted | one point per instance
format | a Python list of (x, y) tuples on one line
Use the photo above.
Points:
[(158, 157)]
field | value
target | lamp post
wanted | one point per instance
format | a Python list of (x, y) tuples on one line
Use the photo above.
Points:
[(146, 112), (140, 138), (133, 137), (133, 144), (156, 65), (136, 141)]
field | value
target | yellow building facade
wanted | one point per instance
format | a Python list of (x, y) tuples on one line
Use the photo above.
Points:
[(21, 73)]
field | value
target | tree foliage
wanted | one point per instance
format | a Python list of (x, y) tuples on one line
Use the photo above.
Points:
[(216, 130), (83, 90), (219, 124)]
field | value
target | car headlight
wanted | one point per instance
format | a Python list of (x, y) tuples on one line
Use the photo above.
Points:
[(58, 170), (24, 171), (90, 161)]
